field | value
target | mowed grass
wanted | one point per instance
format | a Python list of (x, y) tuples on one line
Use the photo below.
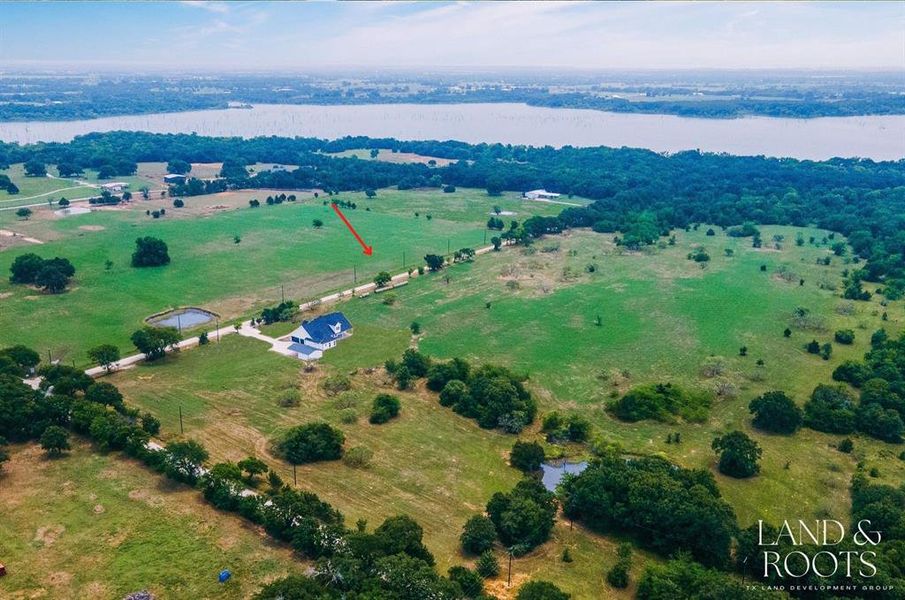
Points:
[(37, 190), (89, 525), (428, 463), (278, 247), (662, 316)]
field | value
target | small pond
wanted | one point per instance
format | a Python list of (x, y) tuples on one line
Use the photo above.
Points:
[(554, 471), (182, 318), (71, 211)]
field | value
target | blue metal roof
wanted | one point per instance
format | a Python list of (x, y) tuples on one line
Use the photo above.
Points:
[(303, 349), (327, 328)]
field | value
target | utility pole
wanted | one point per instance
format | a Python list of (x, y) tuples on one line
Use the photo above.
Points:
[(282, 294), (178, 323), (509, 577), (354, 275), (403, 259), (447, 246), (181, 429), (218, 330), (295, 479)]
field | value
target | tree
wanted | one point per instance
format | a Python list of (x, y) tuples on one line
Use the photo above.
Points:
[(317, 223), (524, 516), (526, 456), (385, 407), (106, 394), (51, 279), (25, 268), (183, 460), (497, 243), (370, 193), (738, 454), (104, 355), (252, 467), (178, 203), (55, 440), (618, 575), (154, 341), (453, 393), (478, 535), (312, 442), (434, 262), (35, 168), (22, 359), (383, 279), (487, 565), (776, 412), (150, 252), (178, 167), (541, 590), (469, 581), (24, 213), (63, 202), (845, 336)]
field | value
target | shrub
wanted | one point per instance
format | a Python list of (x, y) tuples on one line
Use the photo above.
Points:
[(845, 336), (290, 397), (478, 535), (660, 402), (348, 416), (487, 565), (385, 407), (335, 384), (358, 457), (618, 575), (846, 445), (469, 581), (541, 590), (311, 442)]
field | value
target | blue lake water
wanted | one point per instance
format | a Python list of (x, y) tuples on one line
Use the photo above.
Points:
[(553, 472), (184, 319)]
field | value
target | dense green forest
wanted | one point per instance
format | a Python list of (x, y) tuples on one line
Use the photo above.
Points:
[(638, 192), (721, 95)]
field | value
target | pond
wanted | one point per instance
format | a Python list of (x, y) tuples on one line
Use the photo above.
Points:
[(554, 471), (182, 318), (879, 137)]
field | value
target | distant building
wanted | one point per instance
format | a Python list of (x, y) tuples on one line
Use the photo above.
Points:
[(114, 186), (540, 195), (174, 179), (313, 337)]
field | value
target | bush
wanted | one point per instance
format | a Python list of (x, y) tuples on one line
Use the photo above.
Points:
[(845, 336), (660, 402), (846, 445), (526, 456), (311, 442), (348, 416), (478, 535), (487, 565), (469, 581), (541, 590), (335, 384), (290, 397), (618, 575), (358, 457), (385, 407)]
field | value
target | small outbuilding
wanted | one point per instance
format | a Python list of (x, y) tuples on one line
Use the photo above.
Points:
[(540, 195), (114, 186), (174, 179)]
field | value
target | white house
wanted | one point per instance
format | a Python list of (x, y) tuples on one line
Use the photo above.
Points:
[(114, 186), (540, 195), (313, 337)]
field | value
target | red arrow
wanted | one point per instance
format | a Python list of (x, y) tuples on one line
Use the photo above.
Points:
[(368, 249)]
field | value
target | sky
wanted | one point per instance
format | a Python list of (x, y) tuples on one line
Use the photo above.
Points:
[(247, 36)]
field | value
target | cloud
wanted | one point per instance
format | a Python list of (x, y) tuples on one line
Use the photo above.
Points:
[(214, 7)]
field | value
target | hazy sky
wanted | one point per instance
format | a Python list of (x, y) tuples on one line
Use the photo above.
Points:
[(261, 35)]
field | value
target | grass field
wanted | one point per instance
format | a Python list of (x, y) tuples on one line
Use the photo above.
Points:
[(89, 525), (429, 463), (278, 247), (662, 317)]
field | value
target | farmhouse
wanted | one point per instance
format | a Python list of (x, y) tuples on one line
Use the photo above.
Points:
[(114, 186), (174, 179), (313, 337), (540, 195)]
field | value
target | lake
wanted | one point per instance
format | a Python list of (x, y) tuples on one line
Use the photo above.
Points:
[(876, 137), (553, 472)]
